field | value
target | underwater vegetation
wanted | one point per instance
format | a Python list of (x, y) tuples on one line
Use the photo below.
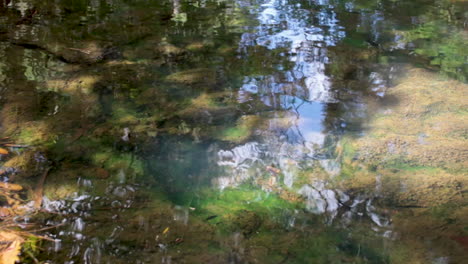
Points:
[(233, 131)]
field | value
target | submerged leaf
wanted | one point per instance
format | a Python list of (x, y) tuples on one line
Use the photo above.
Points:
[(10, 186), (11, 246)]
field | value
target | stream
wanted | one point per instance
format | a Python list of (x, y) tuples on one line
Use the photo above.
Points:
[(235, 131)]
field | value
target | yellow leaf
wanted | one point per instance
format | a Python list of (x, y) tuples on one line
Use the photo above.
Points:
[(166, 230), (11, 186), (3, 151), (11, 248)]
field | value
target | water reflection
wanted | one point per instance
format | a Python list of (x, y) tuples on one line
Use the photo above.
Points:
[(296, 136), (288, 26), (140, 142)]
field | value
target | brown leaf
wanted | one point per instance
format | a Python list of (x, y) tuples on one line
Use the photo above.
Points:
[(3, 151), (4, 212)]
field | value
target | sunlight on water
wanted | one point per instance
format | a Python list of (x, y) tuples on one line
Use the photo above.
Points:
[(234, 131)]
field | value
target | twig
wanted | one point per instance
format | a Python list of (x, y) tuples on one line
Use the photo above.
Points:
[(16, 145), (80, 50), (47, 228)]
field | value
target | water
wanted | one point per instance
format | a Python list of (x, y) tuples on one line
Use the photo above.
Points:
[(236, 131)]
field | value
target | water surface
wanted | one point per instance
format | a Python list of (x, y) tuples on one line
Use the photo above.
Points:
[(237, 131)]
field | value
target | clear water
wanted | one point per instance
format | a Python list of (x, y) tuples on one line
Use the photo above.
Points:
[(237, 131)]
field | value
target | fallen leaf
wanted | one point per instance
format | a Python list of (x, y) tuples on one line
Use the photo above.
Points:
[(4, 212), (11, 186), (3, 151), (11, 247), (165, 230)]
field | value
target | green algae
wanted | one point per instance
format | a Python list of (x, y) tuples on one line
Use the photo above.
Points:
[(155, 106)]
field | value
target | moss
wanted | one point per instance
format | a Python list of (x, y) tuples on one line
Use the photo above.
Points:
[(83, 84), (424, 127), (30, 248), (123, 118), (113, 161), (235, 134), (242, 131), (208, 101), (202, 77), (229, 202), (25, 163), (248, 222), (35, 133), (62, 183)]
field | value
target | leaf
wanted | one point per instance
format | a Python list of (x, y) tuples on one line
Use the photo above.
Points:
[(5, 212), (165, 230), (3, 151), (11, 186), (11, 247)]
